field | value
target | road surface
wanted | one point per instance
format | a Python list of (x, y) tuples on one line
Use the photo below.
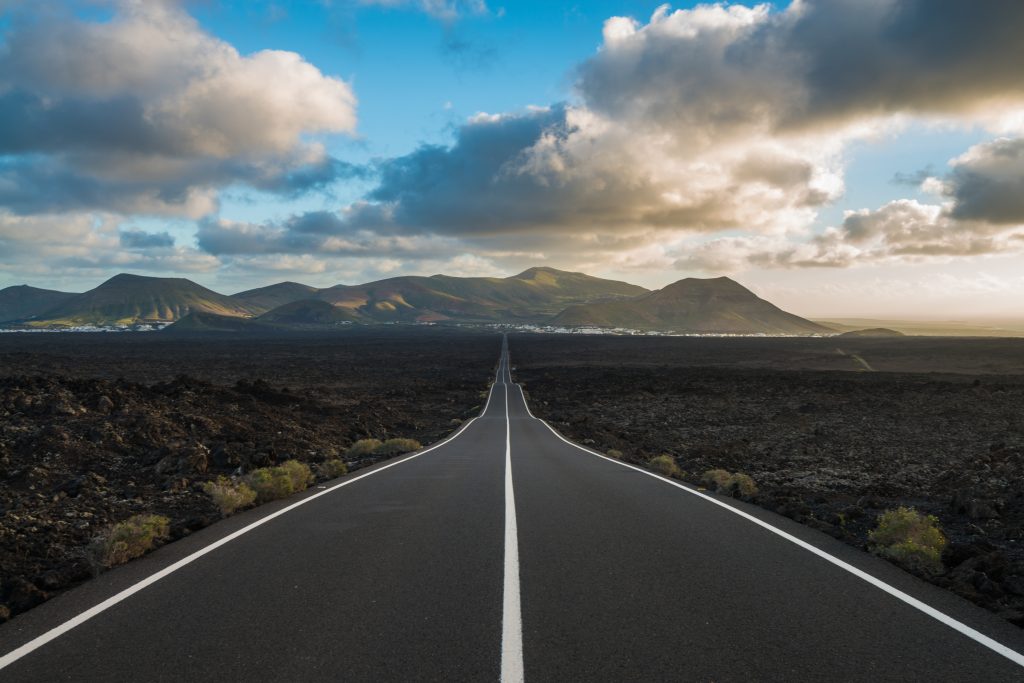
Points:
[(506, 553)]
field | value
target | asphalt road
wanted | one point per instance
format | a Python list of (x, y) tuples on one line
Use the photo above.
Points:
[(507, 552)]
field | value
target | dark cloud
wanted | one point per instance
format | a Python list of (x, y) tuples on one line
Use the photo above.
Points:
[(987, 183), (139, 239)]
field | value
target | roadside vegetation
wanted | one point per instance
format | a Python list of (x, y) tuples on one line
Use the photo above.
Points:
[(229, 495), (134, 537), (910, 539), (729, 483), (377, 448), (666, 466)]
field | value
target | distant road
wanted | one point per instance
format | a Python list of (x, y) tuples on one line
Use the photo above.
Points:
[(506, 553)]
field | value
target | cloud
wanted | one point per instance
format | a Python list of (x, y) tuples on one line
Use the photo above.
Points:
[(442, 9), (90, 245), (987, 183), (901, 231), (712, 119), (316, 233), (138, 239), (148, 113)]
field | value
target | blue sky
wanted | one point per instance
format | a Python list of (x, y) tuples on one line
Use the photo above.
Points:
[(240, 143)]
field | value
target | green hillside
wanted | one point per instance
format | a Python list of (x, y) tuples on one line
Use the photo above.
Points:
[(532, 295), (308, 312), (23, 302), (714, 306), (127, 299), (268, 298)]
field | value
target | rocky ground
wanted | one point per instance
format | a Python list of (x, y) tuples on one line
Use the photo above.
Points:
[(97, 428), (831, 448)]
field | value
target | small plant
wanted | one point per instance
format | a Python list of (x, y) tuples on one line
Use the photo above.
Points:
[(332, 469), (666, 465), (742, 484), (133, 538), (729, 483), (228, 495), (272, 483), (909, 538), (715, 479), (298, 473), (398, 446), (614, 453), (363, 448)]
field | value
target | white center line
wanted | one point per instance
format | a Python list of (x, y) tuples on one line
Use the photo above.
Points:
[(512, 617)]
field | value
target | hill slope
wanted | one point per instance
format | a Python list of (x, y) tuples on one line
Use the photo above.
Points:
[(532, 295), (268, 298), (127, 299), (715, 306), (21, 302), (308, 312)]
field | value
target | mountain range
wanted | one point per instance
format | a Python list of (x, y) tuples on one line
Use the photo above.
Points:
[(536, 296)]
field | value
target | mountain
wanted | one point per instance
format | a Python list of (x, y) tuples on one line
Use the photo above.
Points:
[(873, 332), (200, 321), (126, 299), (266, 299), (532, 295), (308, 312), (21, 302), (716, 306)]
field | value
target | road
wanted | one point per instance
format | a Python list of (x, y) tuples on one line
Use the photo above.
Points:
[(506, 553)]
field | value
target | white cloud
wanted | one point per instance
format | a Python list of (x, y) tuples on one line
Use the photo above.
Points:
[(148, 113)]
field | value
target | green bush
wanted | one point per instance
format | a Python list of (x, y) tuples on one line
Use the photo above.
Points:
[(270, 483), (332, 469), (613, 453), (363, 447), (398, 446), (909, 538), (229, 495), (299, 474), (741, 484), (666, 465), (729, 483), (715, 479), (133, 538)]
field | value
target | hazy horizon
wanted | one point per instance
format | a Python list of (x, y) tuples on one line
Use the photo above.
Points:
[(841, 159)]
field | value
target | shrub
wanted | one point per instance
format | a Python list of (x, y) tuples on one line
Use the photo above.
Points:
[(298, 473), (363, 447), (229, 495), (743, 484), (729, 483), (613, 453), (398, 446), (715, 479), (332, 469), (270, 483), (133, 538), (909, 538), (666, 465)]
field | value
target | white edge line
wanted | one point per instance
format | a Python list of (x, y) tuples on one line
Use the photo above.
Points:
[(973, 634), (512, 670), (37, 642)]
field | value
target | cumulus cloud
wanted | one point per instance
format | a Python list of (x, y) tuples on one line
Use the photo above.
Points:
[(716, 118), (80, 244), (987, 183), (904, 230), (148, 113)]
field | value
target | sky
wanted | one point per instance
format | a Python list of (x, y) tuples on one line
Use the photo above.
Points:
[(842, 158)]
